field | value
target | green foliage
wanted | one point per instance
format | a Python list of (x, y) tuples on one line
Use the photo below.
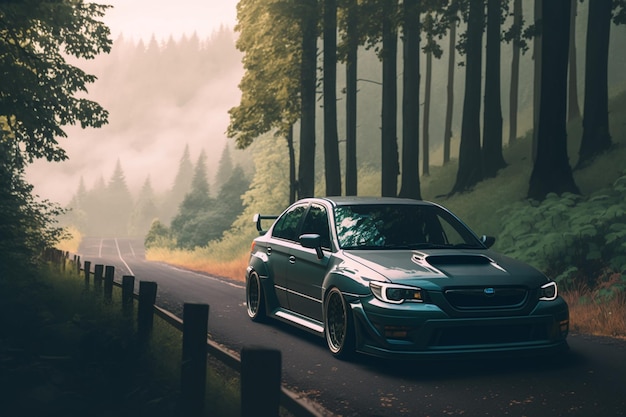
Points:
[(27, 225), (188, 227), (180, 188), (159, 236), (268, 193), (59, 338), (270, 40), (224, 168), (619, 12), (38, 97), (35, 38), (570, 237), (202, 219)]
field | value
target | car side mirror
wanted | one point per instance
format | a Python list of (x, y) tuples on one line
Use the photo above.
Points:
[(488, 241), (312, 241)]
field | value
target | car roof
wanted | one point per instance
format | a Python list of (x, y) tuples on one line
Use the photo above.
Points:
[(352, 200)]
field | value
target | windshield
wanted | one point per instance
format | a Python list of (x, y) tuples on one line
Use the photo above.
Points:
[(400, 226)]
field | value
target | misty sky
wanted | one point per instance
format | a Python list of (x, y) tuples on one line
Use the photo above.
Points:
[(93, 152), (162, 18)]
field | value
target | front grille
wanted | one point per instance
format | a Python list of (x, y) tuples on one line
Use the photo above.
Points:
[(488, 335), (486, 297)]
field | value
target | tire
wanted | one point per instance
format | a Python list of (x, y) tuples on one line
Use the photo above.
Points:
[(338, 325), (255, 302)]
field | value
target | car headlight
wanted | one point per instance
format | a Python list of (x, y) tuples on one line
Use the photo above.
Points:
[(548, 292), (395, 293)]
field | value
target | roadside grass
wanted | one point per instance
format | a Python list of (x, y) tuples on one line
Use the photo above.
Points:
[(591, 314), (64, 350), (222, 393), (71, 241), (232, 267)]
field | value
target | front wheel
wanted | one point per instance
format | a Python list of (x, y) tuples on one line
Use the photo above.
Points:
[(254, 297), (338, 325)]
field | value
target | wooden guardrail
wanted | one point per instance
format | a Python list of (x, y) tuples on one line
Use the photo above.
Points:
[(260, 368)]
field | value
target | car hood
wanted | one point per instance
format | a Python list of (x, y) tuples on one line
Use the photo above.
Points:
[(443, 268)]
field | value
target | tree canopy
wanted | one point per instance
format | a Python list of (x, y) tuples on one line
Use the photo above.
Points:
[(41, 92)]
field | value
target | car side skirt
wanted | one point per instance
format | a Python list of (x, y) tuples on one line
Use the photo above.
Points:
[(298, 320)]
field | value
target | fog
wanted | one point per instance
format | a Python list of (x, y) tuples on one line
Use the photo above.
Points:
[(157, 105), (140, 19)]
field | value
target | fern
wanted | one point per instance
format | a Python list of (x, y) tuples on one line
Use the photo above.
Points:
[(570, 237)]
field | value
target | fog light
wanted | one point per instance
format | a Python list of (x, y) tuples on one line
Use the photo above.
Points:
[(397, 332)]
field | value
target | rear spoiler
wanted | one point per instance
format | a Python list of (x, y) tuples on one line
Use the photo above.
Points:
[(258, 218)]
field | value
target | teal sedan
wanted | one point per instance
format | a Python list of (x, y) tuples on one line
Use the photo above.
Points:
[(399, 278)]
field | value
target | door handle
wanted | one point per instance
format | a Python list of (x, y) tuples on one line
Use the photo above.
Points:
[(269, 250), (292, 259)]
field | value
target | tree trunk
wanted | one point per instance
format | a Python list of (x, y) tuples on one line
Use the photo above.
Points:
[(293, 183), (351, 102), (306, 172), (493, 160), (536, 79), (331, 137), (389, 140), (573, 108), (596, 137), (447, 136), (551, 171), (514, 92), (470, 156), (410, 187), (426, 138)]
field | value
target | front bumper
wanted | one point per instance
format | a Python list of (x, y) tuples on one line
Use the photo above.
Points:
[(413, 331)]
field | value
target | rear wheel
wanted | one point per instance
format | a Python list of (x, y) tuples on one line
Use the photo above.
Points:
[(254, 297), (338, 325)]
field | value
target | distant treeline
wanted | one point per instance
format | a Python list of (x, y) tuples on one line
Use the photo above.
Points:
[(196, 216)]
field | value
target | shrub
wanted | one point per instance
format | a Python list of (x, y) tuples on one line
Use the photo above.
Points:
[(570, 237)]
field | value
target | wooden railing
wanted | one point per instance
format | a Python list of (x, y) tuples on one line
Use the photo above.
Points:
[(262, 393)]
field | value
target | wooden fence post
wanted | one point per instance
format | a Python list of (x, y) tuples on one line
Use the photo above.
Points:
[(260, 382), (109, 273), (193, 369), (87, 272), (145, 310), (97, 276), (128, 286)]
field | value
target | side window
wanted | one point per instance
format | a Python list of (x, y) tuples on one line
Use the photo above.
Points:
[(287, 225), (453, 237), (316, 222), (433, 232)]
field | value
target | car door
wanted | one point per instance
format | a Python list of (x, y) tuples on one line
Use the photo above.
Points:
[(284, 239), (306, 271)]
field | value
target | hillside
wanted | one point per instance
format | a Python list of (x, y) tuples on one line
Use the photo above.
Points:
[(511, 185)]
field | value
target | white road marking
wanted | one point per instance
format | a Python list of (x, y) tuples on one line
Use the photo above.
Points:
[(122, 259), (130, 245), (203, 276)]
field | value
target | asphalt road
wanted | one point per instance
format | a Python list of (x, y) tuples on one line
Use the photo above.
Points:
[(589, 380)]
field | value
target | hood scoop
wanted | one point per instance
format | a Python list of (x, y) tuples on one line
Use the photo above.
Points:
[(460, 265), (443, 260)]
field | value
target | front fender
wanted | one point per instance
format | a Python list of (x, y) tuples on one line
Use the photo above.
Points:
[(351, 287)]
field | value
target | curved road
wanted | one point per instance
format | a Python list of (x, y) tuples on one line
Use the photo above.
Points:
[(589, 380)]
